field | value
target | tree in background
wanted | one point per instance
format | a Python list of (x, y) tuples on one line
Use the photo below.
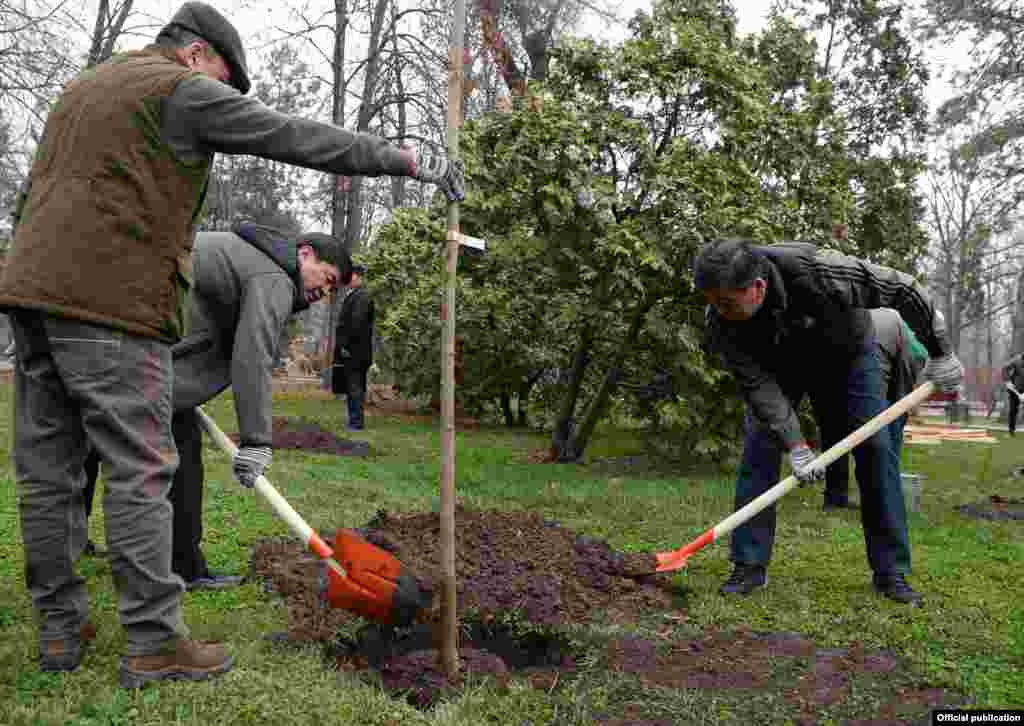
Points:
[(973, 200), (594, 203), (854, 67)]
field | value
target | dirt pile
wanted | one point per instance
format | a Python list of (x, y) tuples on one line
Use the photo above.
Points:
[(995, 508), (309, 435)]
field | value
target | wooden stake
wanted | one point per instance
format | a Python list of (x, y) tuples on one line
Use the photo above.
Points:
[(448, 652)]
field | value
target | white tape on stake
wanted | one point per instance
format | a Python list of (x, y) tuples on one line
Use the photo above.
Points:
[(474, 242)]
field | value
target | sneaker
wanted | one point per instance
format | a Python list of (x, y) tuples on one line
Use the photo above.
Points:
[(213, 581), (66, 654), (180, 659), (745, 579), (896, 587)]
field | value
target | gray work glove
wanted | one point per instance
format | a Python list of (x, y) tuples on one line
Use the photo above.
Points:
[(249, 463), (800, 458), (448, 175), (946, 372)]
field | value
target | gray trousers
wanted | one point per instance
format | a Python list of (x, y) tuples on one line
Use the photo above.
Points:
[(79, 385)]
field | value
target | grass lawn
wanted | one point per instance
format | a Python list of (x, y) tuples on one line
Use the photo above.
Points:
[(969, 636)]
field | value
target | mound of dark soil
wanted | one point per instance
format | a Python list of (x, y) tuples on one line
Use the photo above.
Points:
[(552, 576), (506, 562), (994, 508), (310, 436)]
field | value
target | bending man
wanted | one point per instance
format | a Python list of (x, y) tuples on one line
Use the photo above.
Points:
[(789, 320)]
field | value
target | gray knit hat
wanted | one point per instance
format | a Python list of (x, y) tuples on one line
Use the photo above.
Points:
[(214, 28)]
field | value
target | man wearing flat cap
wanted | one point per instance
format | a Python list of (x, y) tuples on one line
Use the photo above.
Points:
[(96, 286), (353, 348)]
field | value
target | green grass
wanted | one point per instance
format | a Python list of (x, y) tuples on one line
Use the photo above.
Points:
[(969, 637)]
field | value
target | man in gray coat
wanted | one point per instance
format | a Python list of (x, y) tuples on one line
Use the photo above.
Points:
[(248, 282)]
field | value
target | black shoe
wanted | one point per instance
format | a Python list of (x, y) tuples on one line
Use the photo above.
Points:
[(846, 504), (213, 581), (896, 587), (745, 579)]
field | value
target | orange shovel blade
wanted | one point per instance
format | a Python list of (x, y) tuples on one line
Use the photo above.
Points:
[(375, 586), (677, 559)]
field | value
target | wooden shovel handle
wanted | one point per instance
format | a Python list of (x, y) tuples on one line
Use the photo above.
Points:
[(283, 509)]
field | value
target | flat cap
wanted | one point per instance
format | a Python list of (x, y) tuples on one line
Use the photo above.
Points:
[(214, 28)]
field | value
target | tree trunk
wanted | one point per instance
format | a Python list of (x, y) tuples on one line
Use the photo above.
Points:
[(562, 438), (596, 410), (1017, 339), (107, 29), (338, 91), (506, 409), (354, 211)]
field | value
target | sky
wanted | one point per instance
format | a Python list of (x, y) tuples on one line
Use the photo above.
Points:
[(260, 22)]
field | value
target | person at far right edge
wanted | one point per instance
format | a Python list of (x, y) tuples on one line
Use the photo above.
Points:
[(791, 319)]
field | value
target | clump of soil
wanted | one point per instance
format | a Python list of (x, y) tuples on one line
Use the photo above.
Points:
[(506, 563), (519, 562), (308, 435), (994, 508)]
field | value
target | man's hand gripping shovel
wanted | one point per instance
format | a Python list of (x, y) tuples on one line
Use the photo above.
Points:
[(361, 578), (677, 559)]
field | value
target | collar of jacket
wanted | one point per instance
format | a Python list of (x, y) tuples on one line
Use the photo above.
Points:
[(276, 245)]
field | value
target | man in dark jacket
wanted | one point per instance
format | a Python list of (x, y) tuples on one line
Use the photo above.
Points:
[(353, 348), (1013, 377), (96, 286), (901, 359), (791, 319)]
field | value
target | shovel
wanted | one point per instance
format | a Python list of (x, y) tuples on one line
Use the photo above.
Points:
[(676, 559), (361, 577)]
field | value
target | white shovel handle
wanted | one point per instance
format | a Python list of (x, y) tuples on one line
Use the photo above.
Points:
[(281, 507), (785, 486)]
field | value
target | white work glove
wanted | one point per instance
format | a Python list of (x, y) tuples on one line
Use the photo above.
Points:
[(946, 372), (249, 463), (800, 458), (449, 176)]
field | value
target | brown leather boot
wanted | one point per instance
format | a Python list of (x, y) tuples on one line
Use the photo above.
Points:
[(181, 658), (66, 654)]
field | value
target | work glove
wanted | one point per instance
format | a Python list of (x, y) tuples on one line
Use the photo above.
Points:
[(249, 463), (946, 372), (800, 458), (448, 175)]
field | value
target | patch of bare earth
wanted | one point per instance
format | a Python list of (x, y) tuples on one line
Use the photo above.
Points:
[(551, 576)]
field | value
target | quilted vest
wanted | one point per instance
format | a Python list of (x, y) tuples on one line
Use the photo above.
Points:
[(105, 234)]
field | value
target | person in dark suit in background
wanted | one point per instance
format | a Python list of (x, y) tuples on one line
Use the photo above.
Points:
[(353, 348)]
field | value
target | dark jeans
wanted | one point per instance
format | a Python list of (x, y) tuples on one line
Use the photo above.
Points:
[(1014, 407), (883, 513), (355, 391), (837, 475), (186, 496), (830, 415), (82, 387)]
